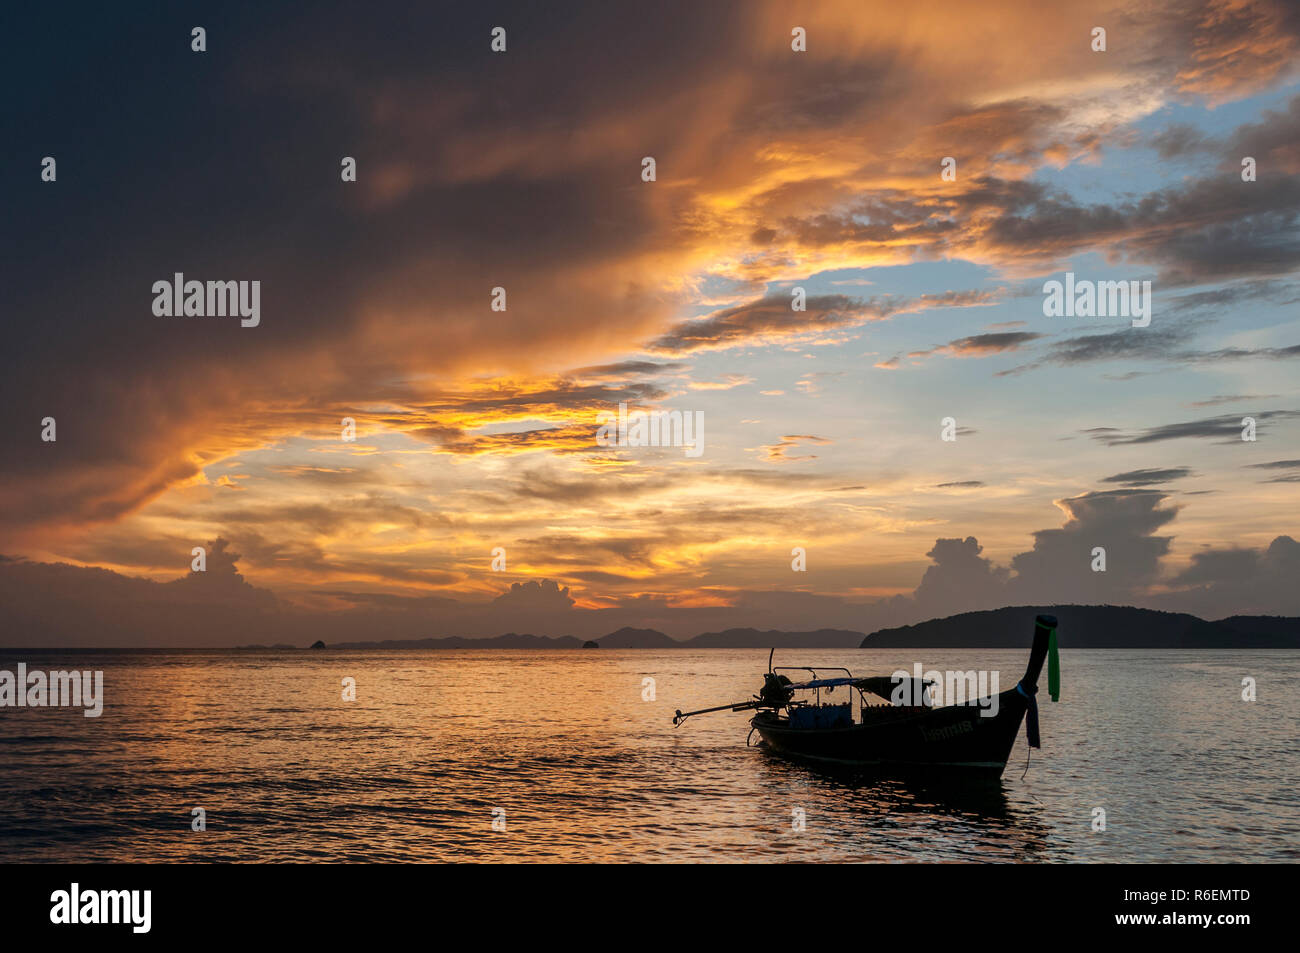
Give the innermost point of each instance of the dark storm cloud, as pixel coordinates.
(1059, 567)
(1180, 139)
(1125, 524)
(625, 369)
(981, 345)
(540, 595)
(1226, 429)
(1251, 581)
(1242, 353)
(1275, 465)
(1229, 399)
(1293, 466)
(960, 579)
(542, 483)
(1241, 292)
(133, 393)
(505, 398)
(1149, 477)
(1212, 228)
(1164, 344)
(772, 318)
(991, 343)
(1122, 522)
(1271, 141)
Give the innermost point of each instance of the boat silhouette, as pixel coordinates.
(974, 737)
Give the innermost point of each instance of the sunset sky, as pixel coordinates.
(775, 169)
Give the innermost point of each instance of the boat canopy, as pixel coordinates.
(823, 683)
(882, 686)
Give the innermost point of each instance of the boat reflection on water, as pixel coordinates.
(917, 788)
(885, 811)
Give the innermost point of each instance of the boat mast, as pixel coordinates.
(1044, 626)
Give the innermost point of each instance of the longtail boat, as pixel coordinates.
(884, 729)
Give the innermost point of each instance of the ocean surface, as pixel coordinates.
(576, 764)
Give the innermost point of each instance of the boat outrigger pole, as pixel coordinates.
(681, 716)
(775, 693)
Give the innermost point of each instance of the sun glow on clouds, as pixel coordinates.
(477, 429)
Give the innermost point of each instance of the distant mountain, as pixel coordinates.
(1093, 627)
(630, 638)
(1273, 627)
(1081, 627)
(758, 639)
(508, 641)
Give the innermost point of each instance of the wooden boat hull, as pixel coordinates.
(958, 737)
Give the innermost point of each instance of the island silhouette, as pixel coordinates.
(1090, 627)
